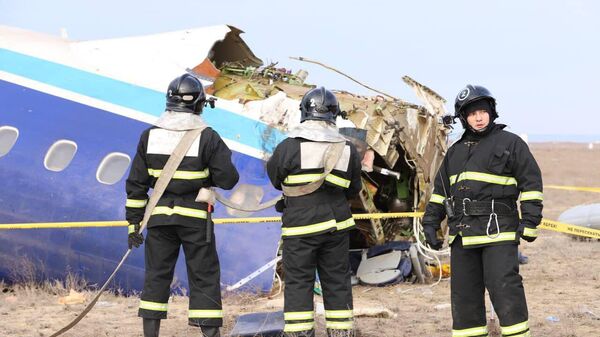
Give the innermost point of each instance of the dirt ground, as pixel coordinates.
(562, 283)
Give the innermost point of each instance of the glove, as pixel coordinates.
(527, 233)
(431, 237)
(134, 238)
(280, 205)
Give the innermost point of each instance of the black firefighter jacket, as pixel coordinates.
(207, 163)
(497, 167)
(298, 161)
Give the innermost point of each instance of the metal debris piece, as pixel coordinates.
(405, 137)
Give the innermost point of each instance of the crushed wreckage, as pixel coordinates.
(405, 142)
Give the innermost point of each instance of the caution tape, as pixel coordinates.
(55, 225)
(217, 221)
(574, 188)
(546, 224)
(86, 224)
(569, 229)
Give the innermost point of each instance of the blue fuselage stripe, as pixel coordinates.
(229, 125)
(82, 82)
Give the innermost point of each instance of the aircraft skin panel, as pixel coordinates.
(31, 193)
(82, 82)
(230, 125)
(134, 59)
(129, 59)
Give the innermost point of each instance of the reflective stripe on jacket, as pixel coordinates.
(499, 167)
(298, 161)
(207, 163)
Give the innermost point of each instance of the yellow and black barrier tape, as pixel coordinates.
(217, 221)
(546, 224)
(574, 188)
(570, 229)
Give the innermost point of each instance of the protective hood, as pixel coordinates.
(179, 121)
(318, 131)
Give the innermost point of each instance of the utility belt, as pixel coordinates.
(316, 198)
(491, 209)
(468, 207)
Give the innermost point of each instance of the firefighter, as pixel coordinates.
(477, 187)
(315, 225)
(178, 220)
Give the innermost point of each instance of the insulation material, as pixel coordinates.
(277, 110)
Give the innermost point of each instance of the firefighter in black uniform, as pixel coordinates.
(178, 220)
(477, 187)
(315, 225)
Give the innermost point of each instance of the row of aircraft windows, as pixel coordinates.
(60, 154)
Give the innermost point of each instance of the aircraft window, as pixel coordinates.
(112, 168)
(59, 155)
(8, 138)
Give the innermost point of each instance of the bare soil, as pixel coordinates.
(562, 283)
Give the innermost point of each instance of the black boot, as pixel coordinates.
(151, 327)
(210, 331)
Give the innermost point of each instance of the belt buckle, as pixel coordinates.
(465, 206)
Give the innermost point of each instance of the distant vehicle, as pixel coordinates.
(70, 118)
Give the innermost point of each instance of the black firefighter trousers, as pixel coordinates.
(497, 269)
(161, 252)
(328, 254)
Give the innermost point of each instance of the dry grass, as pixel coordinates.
(562, 280)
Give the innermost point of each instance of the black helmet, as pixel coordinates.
(186, 94)
(471, 94)
(319, 104)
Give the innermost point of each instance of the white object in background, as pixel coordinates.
(259, 271)
(582, 215)
(380, 269)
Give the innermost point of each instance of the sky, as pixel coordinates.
(540, 58)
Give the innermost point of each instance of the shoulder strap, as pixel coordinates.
(332, 155)
(160, 186)
(169, 170)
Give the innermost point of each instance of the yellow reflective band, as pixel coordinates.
(345, 224)
(338, 313)
(289, 231)
(154, 306)
(470, 332)
(520, 327)
(295, 327)
(186, 175)
(451, 238)
(346, 325)
(532, 195)
(309, 178)
(298, 315)
(136, 203)
(205, 314)
(478, 240)
(301, 178)
(436, 198)
(531, 232)
(485, 177)
(185, 211)
(130, 229)
(339, 181)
